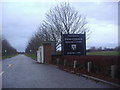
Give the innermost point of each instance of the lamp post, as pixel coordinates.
(5, 52)
(30, 51)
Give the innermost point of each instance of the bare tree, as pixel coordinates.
(34, 43)
(66, 19)
(63, 19)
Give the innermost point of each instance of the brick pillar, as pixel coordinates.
(47, 52)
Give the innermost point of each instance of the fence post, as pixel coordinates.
(64, 62)
(89, 66)
(75, 62)
(57, 61)
(113, 71)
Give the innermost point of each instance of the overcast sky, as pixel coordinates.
(20, 20)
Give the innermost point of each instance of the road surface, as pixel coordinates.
(23, 72)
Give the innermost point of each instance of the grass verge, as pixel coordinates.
(106, 53)
(33, 56)
(8, 56)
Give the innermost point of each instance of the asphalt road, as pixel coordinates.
(23, 72)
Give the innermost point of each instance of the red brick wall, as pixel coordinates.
(47, 53)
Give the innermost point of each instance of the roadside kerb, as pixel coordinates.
(100, 80)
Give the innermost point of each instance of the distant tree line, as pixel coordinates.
(62, 19)
(92, 49)
(7, 49)
(21, 52)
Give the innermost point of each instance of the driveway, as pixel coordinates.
(23, 72)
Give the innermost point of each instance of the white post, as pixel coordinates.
(38, 56)
(57, 61)
(42, 55)
(89, 66)
(113, 71)
(64, 62)
(75, 62)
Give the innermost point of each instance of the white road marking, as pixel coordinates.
(1, 73)
(9, 65)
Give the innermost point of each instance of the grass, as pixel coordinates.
(8, 56)
(106, 53)
(33, 56)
